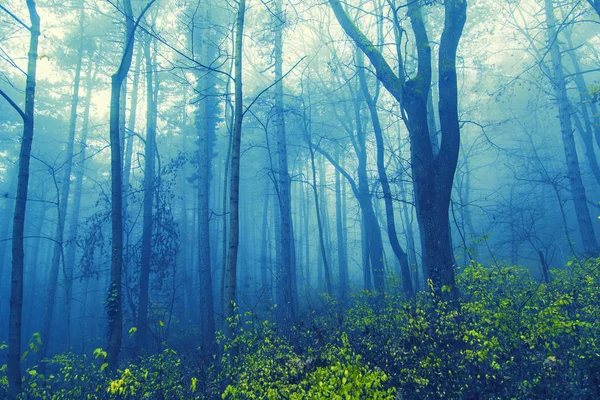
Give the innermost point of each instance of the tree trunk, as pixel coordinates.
(286, 269)
(16, 284)
(114, 298)
(342, 246)
(76, 202)
(587, 130)
(206, 120)
(63, 198)
(234, 198)
(576, 184)
(385, 185)
(319, 222)
(433, 175)
(149, 177)
(130, 130)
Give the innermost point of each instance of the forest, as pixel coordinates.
(299, 199)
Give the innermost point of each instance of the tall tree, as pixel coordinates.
(148, 206)
(433, 175)
(206, 121)
(385, 185)
(564, 116)
(114, 299)
(286, 274)
(234, 196)
(63, 198)
(18, 255)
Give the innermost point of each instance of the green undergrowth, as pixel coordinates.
(508, 337)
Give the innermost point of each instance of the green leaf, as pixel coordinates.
(103, 367)
(161, 323)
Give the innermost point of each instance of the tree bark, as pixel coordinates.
(148, 202)
(234, 197)
(16, 283)
(287, 268)
(433, 175)
(578, 194)
(76, 202)
(319, 223)
(63, 198)
(206, 120)
(342, 246)
(114, 299)
(385, 185)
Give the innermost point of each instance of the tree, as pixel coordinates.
(16, 283)
(63, 198)
(205, 123)
(149, 194)
(595, 5)
(114, 299)
(385, 185)
(234, 196)
(558, 83)
(287, 268)
(433, 174)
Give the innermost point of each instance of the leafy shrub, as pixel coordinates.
(507, 337)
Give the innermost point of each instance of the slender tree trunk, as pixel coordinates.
(286, 269)
(76, 202)
(558, 81)
(114, 299)
(206, 120)
(148, 205)
(385, 185)
(16, 284)
(372, 230)
(587, 130)
(130, 130)
(234, 198)
(264, 257)
(341, 237)
(319, 223)
(63, 198)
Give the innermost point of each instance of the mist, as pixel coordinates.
(242, 197)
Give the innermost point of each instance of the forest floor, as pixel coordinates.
(508, 337)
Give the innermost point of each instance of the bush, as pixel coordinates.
(507, 337)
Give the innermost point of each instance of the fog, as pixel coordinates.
(169, 166)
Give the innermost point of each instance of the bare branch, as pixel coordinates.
(13, 104)
(15, 18)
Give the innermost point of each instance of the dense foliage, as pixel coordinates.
(508, 337)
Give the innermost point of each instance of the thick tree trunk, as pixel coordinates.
(16, 287)
(558, 81)
(433, 175)
(234, 197)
